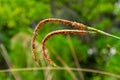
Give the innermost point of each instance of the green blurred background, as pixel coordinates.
(18, 19)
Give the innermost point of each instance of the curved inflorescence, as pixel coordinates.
(41, 23)
(82, 29)
(81, 32)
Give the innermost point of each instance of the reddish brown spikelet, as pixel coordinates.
(55, 33)
(41, 23)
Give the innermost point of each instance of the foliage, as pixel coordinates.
(17, 22)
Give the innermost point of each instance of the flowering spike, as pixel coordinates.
(56, 33)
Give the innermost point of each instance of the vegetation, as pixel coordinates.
(18, 19)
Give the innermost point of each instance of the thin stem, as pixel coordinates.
(62, 68)
(102, 32)
(5, 55)
(75, 57)
(63, 63)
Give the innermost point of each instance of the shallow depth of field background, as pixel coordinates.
(18, 19)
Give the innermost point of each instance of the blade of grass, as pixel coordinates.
(63, 63)
(5, 55)
(62, 68)
(74, 56)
